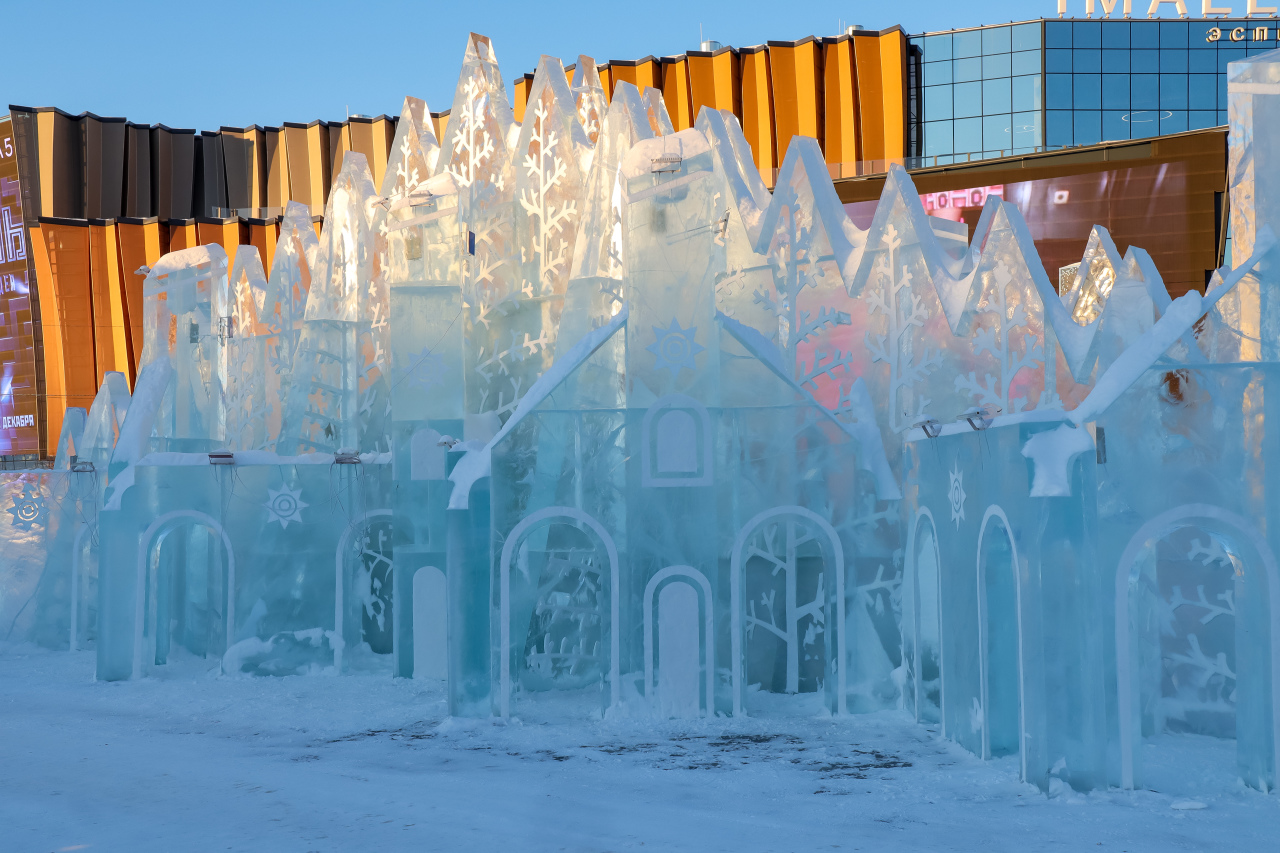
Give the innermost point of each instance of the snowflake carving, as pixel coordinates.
(956, 495)
(29, 508)
(675, 348)
(284, 505)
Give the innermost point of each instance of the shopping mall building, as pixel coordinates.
(1124, 117)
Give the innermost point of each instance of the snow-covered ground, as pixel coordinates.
(193, 762)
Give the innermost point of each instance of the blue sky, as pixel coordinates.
(206, 64)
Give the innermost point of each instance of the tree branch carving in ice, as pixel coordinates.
(1213, 553)
(994, 389)
(778, 544)
(797, 266)
(904, 312)
(472, 137)
(1211, 611)
(566, 628)
(547, 168)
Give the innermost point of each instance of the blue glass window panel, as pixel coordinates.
(1086, 34)
(1202, 91)
(1115, 91)
(1144, 61)
(1088, 61)
(1173, 92)
(1222, 117)
(1144, 123)
(1202, 61)
(966, 44)
(1115, 34)
(1144, 33)
(1057, 91)
(1026, 37)
(1026, 92)
(1173, 62)
(997, 65)
(1115, 62)
(1058, 129)
(1088, 127)
(1056, 34)
(1258, 46)
(1200, 119)
(997, 133)
(937, 73)
(1222, 92)
(937, 138)
(1026, 130)
(937, 47)
(1087, 91)
(968, 135)
(1026, 62)
(1057, 61)
(1198, 32)
(996, 96)
(996, 40)
(1173, 121)
(1229, 54)
(1115, 125)
(1173, 33)
(1144, 91)
(967, 70)
(968, 100)
(937, 102)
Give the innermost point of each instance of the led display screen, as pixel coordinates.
(19, 432)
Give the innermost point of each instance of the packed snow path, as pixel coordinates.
(195, 762)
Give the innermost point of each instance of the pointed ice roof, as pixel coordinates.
(480, 121)
(748, 194)
(343, 264)
(589, 97)
(804, 179)
(248, 284)
(551, 119)
(414, 152)
(597, 251)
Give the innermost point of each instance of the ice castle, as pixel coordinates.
(579, 405)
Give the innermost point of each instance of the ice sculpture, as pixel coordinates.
(284, 306)
(338, 393)
(579, 405)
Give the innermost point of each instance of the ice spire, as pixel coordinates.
(253, 401)
(589, 98)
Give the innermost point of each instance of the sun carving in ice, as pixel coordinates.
(675, 348)
(29, 508)
(284, 505)
(956, 495)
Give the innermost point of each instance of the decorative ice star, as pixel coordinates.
(284, 505)
(675, 347)
(29, 508)
(956, 495)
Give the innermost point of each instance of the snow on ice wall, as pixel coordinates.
(580, 403)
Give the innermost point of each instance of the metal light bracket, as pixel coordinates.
(929, 426)
(980, 417)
